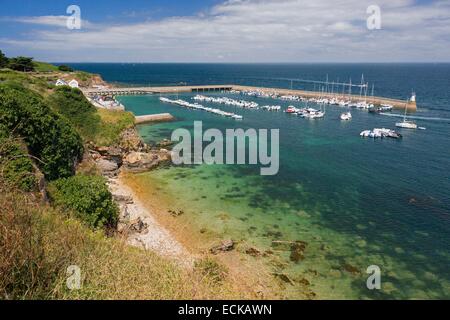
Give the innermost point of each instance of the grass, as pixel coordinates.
(113, 123)
(39, 243)
(37, 84)
(44, 67)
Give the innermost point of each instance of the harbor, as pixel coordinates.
(260, 91)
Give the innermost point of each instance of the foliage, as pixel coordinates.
(41, 243)
(88, 196)
(3, 60)
(48, 136)
(16, 168)
(65, 68)
(24, 64)
(114, 122)
(72, 104)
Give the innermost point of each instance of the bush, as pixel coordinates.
(23, 64)
(65, 68)
(48, 136)
(16, 168)
(72, 104)
(88, 197)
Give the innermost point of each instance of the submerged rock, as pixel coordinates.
(297, 251)
(351, 269)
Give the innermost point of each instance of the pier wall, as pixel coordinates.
(153, 118)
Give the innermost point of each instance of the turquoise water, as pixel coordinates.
(354, 202)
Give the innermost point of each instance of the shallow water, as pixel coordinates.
(354, 202)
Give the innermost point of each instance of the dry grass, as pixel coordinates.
(38, 243)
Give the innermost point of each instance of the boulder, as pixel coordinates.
(141, 161)
(107, 167)
(226, 245)
(138, 226)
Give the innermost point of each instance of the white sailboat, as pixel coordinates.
(405, 123)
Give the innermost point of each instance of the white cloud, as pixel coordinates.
(257, 30)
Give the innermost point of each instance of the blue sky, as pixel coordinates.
(227, 31)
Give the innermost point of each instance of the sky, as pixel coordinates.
(304, 31)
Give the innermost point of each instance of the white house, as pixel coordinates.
(73, 84)
(61, 83)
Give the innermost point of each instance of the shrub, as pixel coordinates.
(48, 136)
(23, 64)
(16, 168)
(88, 197)
(72, 104)
(65, 68)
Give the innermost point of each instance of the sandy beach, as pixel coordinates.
(156, 238)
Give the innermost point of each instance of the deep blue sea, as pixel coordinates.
(355, 202)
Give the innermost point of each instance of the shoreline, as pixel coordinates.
(156, 238)
(248, 275)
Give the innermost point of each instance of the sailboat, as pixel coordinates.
(407, 124)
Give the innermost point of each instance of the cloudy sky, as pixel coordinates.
(227, 31)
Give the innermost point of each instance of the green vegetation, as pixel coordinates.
(72, 104)
(48, 136)
(41, 243)
(23, 64)
(113, 124)
(44, 67)
(20, 79)
(65, 68)
(3, 60)
(87, 196)
(16, 168)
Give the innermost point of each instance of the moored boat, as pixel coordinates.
(346, 116)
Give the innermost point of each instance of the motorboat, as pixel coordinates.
(346, 116)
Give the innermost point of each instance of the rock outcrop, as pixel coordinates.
(131, 154)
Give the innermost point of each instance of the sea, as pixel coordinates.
(352, 205)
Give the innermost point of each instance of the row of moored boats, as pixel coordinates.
(197, 106)
(236, 103)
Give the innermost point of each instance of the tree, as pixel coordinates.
(3, 60)
(24, 64)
